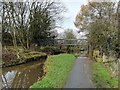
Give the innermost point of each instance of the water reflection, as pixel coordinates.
(22, 76)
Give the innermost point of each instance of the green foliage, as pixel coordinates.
(100, 22)
(57, 69)
(40, 27)
(69, 37)
(96, 54)
(51, 50)
(102, 77)
(68, 34)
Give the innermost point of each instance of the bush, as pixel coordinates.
(77, 54)
(51, 50)
(96, 54)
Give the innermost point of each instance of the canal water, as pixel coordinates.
(22, 76)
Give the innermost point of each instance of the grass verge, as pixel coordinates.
(102, 77)
(57, 69)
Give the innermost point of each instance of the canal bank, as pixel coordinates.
(57, 68)
(13, 57)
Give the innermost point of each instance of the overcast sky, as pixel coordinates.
(73, 7)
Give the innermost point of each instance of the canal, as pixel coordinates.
(22, 76)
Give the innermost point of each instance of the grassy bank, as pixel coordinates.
(102, 77)
(57, 70)
(12, 56)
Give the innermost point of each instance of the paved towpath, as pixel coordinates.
(80, 76)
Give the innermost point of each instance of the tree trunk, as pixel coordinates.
(90, 52)
(14, 38)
